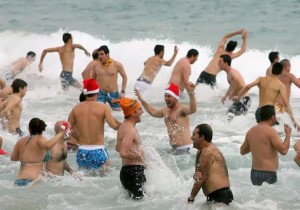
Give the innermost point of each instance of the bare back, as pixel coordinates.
(213, 67)
(152, 67)
(181, 73)
(59, 153)
(88, 71)
(88, 117)
(66, 55)
(178, 125)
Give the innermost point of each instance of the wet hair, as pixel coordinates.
(273, 55)
(226, 59)
(266, 112)
(104, 48)
(158, 48)
(66, 37)
(277, 68)
(31, 54)
(205, 130)
(231, 45)
(285, 62)
(95, 54)
(17, 84)
(36, 126)
(192, 52)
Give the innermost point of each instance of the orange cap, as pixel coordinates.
(128, 105)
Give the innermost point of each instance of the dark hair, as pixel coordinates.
(66, 37)
(266, 112)
(226, 59)
(273, 55)
(104, 48)
(277, 68)
(82, 97)
(30, 54)
(17, 84)
(158, 48)
(231, 45)
(192, 52)
(36, 126)
(95, 54)
(205, 130)
(285, 62)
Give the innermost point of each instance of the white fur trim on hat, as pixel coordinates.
(172, 94)
(86, 92)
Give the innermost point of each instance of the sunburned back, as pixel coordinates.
(269, 90)
(264, 155)
(90, 116)
(152, 67)
(66, 54)
(217, 177)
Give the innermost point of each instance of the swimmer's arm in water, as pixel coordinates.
(158, 113)
(245, 149)
(224, 98)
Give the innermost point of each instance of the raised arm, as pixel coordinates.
(243, 48)
(48, 144)
(193, 105)
(82, 48)
(158, 113)
(227, 36)
(44, 53)
(170, 62)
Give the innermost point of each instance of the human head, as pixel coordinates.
(129, 107)
(17, 84)
(91, 87)
(158, 49)
(266, 112)
(95, 54)
(66, 37)
(192, 55)
(104, 48)
(286, 64)
(30, 54)
(231, 45)
(173, 90)
(226, 59)
(277, 68)
(274, 56)
(103, 54)
(205, 130)
(58, 124)
(36, 126)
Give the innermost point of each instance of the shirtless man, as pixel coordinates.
(273, 58)
(129, 147)
(264, 143)
(106, 74)
(236, 83)
(10, 109)
(270, 87)
(66, 55)
(176, 116)
(211, 165)
(297, 150)
(88, 71)
(152, 67)
(58, 164)
(18, 66)
(182, 70)
(89, 117)
(208, 76)
(287, 78)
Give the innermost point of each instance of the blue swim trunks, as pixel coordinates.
(91, 157)
(108, 97)
(67, 79)
(22, 182)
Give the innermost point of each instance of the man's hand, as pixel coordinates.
(40, 67)
(138, 94)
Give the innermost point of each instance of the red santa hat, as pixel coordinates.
(90, 86)
(173, 90)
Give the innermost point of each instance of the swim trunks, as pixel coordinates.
(142, 84)
(280, 108)
(223, 195)
(258, 177)
(91, 157)
(133, 179)
(241, 107)
(22, 182)
(67, 79)
(207, 78)
(108, 97)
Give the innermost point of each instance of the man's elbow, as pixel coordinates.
(284, 151)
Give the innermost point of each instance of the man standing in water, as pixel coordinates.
(66, 55)
(211, 172)
(153, 66)
(88, 117)
(181, 73)
(106, 74)
(129, 147)
(176, 116)
(208, 76)
(264, 143)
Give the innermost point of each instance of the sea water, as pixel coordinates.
(131, 29)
